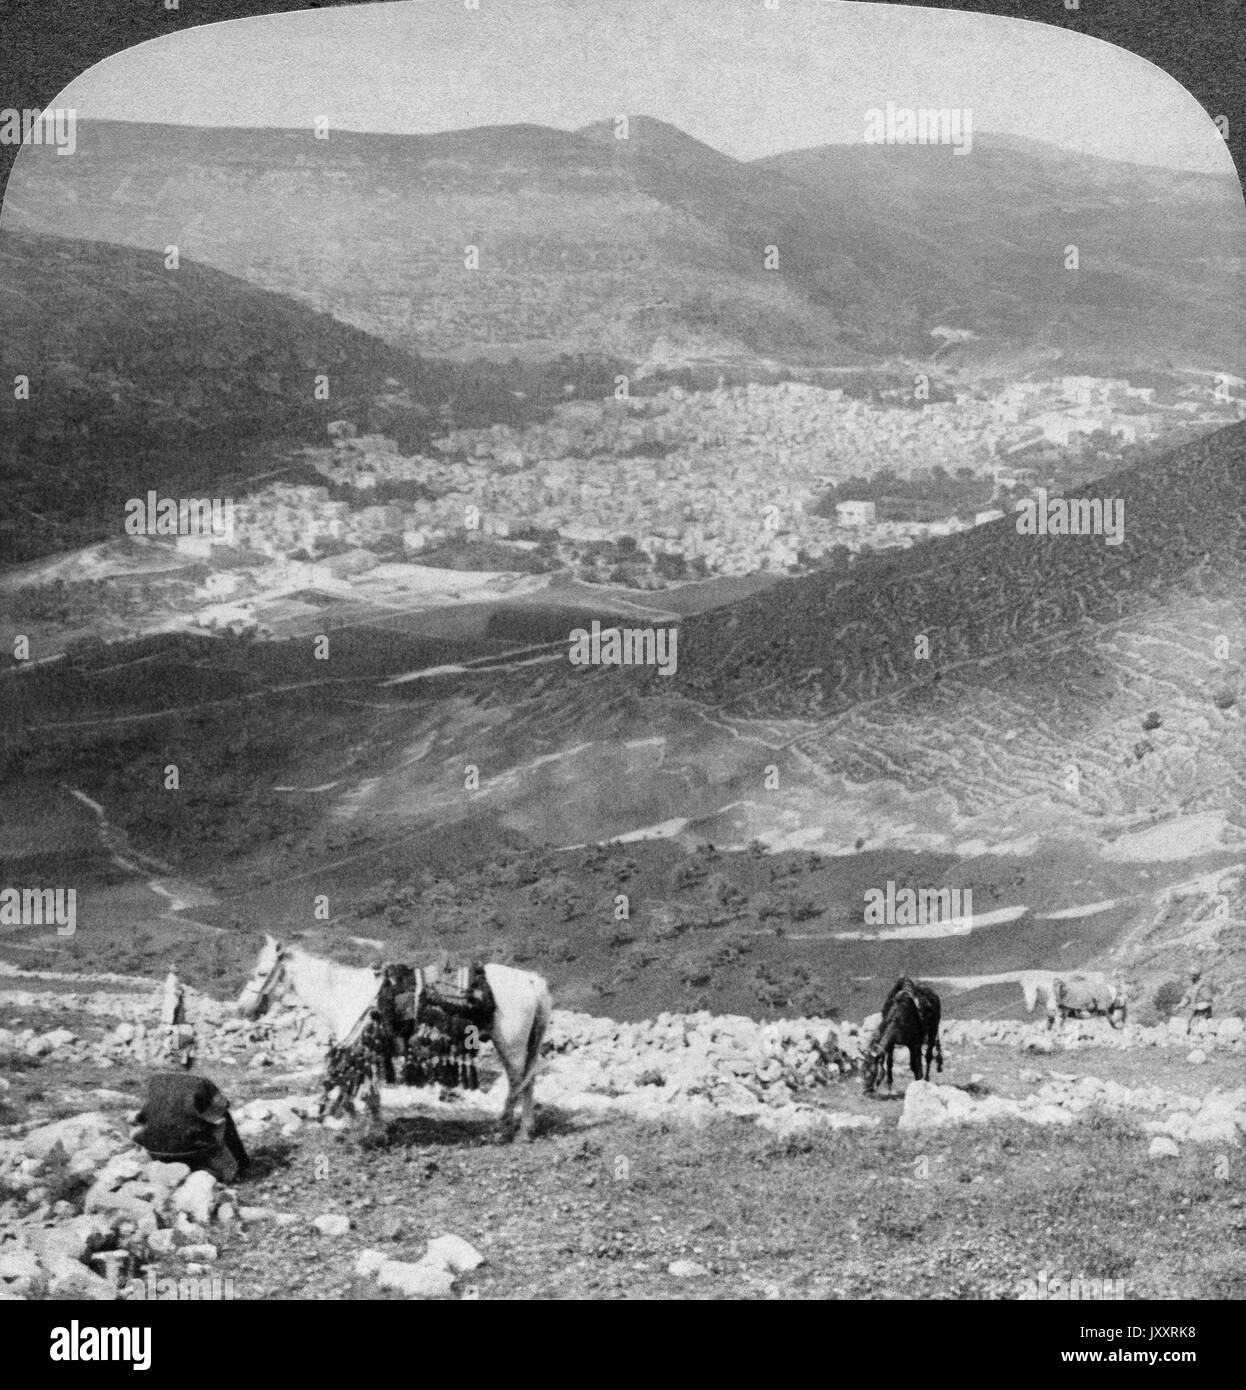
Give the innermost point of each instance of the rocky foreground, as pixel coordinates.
(86, 1213)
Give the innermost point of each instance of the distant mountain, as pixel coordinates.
(1160, 251)
(590, 243)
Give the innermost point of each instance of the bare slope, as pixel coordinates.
(590, 242)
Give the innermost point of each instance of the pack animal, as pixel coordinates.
(1083, 995)
(911, 1015)
(346, 998)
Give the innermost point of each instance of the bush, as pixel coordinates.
(1151, 721)
(1167, 997)
(726, 894)
(622, 934)
(695, 970)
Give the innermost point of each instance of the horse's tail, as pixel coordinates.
(536, 1036)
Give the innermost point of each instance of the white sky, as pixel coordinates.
(748, 80)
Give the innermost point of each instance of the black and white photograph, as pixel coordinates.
(622, 667)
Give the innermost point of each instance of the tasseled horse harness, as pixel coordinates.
(424, 1028)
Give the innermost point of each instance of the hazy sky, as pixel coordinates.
(746, 79)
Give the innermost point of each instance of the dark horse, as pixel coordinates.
(911, 1018)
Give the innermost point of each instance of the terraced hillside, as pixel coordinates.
(821, 645)
(592, 243)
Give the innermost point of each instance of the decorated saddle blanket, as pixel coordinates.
(425, 1029)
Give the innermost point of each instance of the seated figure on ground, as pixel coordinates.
(186, 1119)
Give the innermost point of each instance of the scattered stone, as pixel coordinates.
(686, 1269)
(70, 1280)
(167, 1175)
(112, 1264)
(74, 1133)
(331, 1224)
(195, 1197)
(20, 1271)
(161, 1244)
(1163, 1147)
(415, 1280)
(198, 1254)
(454, 1254)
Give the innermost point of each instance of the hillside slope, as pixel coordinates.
(1160, 250)
(592, 243)
(117, 345)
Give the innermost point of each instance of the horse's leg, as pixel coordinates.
(532, 1057)
(938, 1042)
(506, 1120)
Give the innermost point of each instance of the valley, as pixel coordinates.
(376, 734)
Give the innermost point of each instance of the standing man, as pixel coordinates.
(1197, 999)
(181, 1035)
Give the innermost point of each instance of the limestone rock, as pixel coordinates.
(195, 1197)
(454, 1254)
(69, 1279)
(72, 1134)
(332, 1224)
(415, 1280)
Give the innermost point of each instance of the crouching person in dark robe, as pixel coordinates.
(186, 1119)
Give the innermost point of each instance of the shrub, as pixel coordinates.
(1151, 721)
(1167, 997)
(726, 894)
(695, 970)
(622, 934)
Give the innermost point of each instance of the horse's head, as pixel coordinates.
(872, 1066)
(268, 981)
(1030, 987)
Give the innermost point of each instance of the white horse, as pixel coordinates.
(343, 995)
(1086, 992)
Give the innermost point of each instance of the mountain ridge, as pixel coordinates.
(588, 242)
